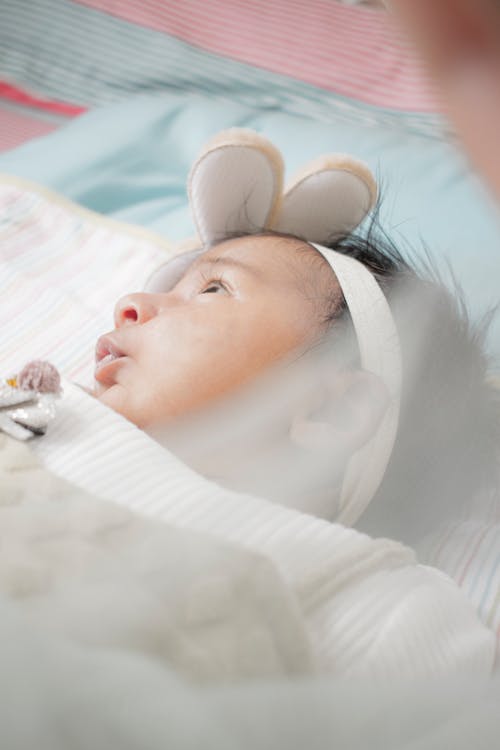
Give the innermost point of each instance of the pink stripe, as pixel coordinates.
(352, 51)
(17, 128)
(14, 94)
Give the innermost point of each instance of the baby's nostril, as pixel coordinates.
(130, 313)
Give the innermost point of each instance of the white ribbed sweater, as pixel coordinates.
(368, 607)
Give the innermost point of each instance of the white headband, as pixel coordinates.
(235, 188)
(380, 354)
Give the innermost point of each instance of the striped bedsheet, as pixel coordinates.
(18, 125)
(318, 58)
(62, 268)
(24, 116)
(469, 552)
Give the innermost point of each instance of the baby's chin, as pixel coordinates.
(115, 398)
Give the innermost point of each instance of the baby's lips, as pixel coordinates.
(108, 358)
(105, 347)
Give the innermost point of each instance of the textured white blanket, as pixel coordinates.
(367, 607)
(96, 576)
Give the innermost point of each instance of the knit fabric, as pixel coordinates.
(367, 607)
(96, 576)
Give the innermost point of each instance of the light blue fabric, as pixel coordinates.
(130, 160)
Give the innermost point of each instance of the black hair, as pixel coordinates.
(447, 445)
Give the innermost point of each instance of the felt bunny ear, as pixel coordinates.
(329, 196)
(235, 185)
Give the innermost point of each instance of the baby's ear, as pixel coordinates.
(348, 419)
(235, 185)
(329, 196)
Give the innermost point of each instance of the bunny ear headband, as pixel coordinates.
(236, 188)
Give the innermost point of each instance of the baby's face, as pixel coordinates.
(240, 307)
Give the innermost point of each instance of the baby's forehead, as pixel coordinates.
(269, 243)
(272, 257)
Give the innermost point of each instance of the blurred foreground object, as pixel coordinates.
(460, 42)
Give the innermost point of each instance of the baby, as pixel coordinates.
(263, 296)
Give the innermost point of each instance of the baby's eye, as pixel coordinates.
(214, 287)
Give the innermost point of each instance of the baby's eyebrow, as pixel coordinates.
(228, 261)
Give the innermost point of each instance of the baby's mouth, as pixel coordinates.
(106, 352)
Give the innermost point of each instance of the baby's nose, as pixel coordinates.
(134, 308)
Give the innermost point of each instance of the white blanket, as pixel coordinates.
(94, 575)
(367, 607)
